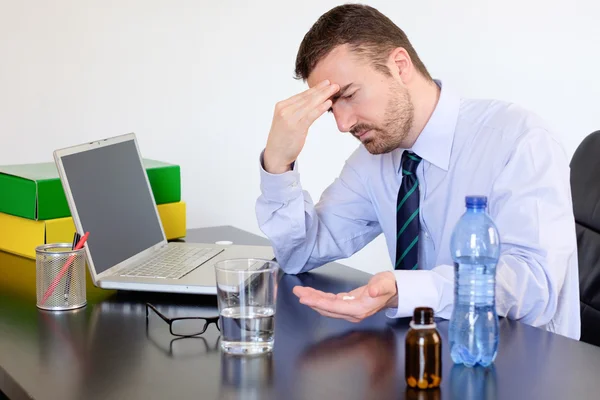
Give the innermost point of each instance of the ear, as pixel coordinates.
(401, 65)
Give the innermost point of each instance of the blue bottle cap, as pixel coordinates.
(476, 201)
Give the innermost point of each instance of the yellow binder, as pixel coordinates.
(21, 235)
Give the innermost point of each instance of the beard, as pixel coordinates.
(398, 120)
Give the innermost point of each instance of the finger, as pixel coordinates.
(308, 292)
(309, 103)
(308, 300)
(334, 315)
(382, 287)
(314, 100)
(312, 295)
(317, 112)
(335, 306)
(358, 292)
(341, 296)
(299, 290)
(296, 98)
(353, 295)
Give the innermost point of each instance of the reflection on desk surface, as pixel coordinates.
(105, 350)
(358, 365)
(246, 377)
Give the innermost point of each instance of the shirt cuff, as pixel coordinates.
(415, 289)
(280, 187)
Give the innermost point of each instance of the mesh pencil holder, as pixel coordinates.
(60, 277)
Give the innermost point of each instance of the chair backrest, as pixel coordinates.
(585, 187)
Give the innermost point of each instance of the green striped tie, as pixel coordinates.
(407, 214)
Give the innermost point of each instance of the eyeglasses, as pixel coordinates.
(185, 326)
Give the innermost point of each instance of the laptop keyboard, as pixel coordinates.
(173, 263)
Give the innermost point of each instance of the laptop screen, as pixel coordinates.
(114, 202)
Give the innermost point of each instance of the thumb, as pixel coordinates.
(382, 287)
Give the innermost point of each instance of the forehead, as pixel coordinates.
(340, 66)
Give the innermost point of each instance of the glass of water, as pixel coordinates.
(247, 289)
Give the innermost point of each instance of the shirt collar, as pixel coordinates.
(434, 143)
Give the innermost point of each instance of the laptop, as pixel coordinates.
(110, 197)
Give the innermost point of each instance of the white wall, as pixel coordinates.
(197, 81)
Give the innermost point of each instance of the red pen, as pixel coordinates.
(64, 269)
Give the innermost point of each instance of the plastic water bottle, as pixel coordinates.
(475, 248)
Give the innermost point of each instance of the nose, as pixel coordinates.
(344, 117)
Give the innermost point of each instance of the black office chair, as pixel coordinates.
(585, 187)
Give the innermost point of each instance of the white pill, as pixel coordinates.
(223, 242)
(348, 298)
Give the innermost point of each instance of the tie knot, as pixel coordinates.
(410, 162)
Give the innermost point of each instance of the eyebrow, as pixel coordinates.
(340, 92)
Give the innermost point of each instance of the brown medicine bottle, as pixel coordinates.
(423, 352)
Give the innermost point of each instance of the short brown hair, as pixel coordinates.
(365, 29)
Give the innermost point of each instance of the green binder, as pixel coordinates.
(34, 191)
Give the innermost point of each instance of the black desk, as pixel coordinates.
(106, 351)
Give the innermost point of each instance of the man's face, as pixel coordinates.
(375, 108)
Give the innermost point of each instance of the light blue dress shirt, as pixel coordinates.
(469, 147)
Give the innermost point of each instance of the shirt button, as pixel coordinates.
(294, 184)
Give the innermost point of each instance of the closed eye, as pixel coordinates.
(342, 97)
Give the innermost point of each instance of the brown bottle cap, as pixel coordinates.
(423, 316)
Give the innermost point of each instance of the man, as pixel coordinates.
(423, 149)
